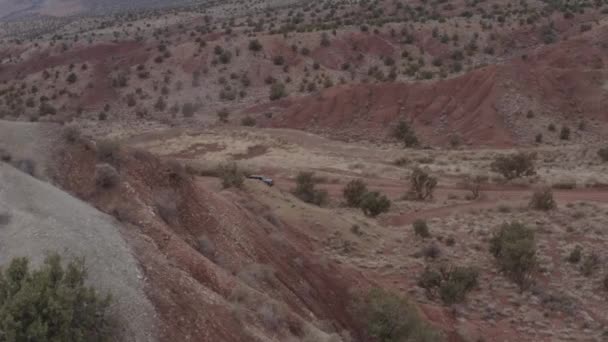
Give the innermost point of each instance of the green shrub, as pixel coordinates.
(277, 91)
(514, 248)
(51, 303)
(421, 228)
(564, 134)
(457, 283)
(72, 78)
(305, 189)
(374, 204)
(231, 176)
(451, 284)
(404, 133)
(575, 256)
(603, 154)
(390, 318)
(590, 264)
(255, 45)
(542, 199)
(354, 192)
(223, 114)
(188, 109)
(515, 165)
(422, 184)
(248, 121)
(106, 176)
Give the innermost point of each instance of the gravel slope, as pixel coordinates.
(37, 218)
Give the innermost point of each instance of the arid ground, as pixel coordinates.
(142, 121)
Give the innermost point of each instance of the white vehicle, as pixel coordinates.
(266, 180)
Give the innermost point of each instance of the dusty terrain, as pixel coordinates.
(132, 110)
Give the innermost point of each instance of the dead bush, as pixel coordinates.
(542, 199)
(473, 184)
(422, 184)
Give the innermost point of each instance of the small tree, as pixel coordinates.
(404, 133)
(305, 189)
(354, 192)
(422, 184)
(514, 248)
(231, 176)
(515, 165)
(51, 303)
(374, 204)
(542, 199)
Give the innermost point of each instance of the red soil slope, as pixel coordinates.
(566, 80)
(200, 292)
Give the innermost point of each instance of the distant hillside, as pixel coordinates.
(14, 9)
